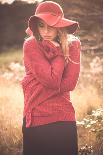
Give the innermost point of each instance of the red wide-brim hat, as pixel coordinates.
(53, 15)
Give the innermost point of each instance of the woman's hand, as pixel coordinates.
(63, 36)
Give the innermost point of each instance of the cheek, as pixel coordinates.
(40, 31)
(54, 33)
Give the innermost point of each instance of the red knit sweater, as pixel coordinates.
(48, 82)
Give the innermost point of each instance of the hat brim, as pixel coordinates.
(71, 25)
(54, 21)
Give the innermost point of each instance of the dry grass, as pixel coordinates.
(8, 56)
(11, 103)
(85, 100)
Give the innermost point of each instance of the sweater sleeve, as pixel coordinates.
(72, 69)
(48, 74)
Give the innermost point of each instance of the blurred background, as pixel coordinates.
(87, 98)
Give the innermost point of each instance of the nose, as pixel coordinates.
(46, 29)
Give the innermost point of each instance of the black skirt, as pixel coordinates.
(57, 138)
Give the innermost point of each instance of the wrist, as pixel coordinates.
(68, 59)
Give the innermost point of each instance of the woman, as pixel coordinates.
(52, 66)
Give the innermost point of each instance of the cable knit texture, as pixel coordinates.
(48, 82)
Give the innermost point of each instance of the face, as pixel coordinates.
(46, 32)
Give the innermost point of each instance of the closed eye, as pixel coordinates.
(40, 24)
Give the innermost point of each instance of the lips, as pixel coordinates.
(47, 37)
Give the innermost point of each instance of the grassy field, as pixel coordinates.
(8, 56)
(86, 98)
(11, 103)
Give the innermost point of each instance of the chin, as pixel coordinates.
(49, 39)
